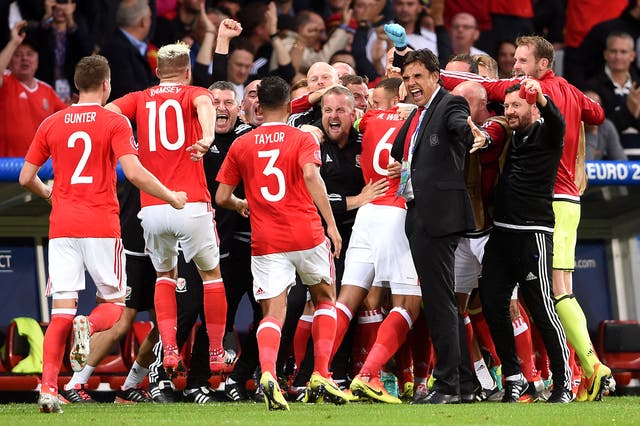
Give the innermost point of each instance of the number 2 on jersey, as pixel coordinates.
(269, 170)
(77, 177)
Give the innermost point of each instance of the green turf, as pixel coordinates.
(612, 411)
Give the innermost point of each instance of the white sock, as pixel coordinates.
(483, 375)
(80, 377)
(135, 376)
(514, 378)
(419, 381)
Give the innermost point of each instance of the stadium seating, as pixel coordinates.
(619, 348)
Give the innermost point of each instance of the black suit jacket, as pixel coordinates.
(437, 167)
(130, 71)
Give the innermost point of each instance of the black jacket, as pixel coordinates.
(524, 194)
(437, 167)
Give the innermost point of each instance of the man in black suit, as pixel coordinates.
(126, 49)
(432, 146)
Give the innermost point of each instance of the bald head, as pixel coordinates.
(476, 96)
(320, 75)
(344, 69)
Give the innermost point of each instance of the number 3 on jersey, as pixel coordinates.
(269, 170)
(160, 115)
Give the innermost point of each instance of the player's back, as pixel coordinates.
(167, 123)
(282, 213)
(84, 141)
(379, 129)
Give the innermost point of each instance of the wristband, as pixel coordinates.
(347, 28)
(401, 49)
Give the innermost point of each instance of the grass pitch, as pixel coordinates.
(612, 411)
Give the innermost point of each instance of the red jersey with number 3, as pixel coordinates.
(167, 123)
(269, 161)
(379, 129)
(85, 142)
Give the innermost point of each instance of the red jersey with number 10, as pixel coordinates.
(379, 129)
(167, 123)
(269, 161)
(85, 142)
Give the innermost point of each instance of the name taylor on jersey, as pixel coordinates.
(266, 138)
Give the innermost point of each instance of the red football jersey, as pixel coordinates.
(167, 123)
(269, 161)
(22, 110)
(85, 142)
(379, 129)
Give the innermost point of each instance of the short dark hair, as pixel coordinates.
(390, 85)
(90, 72)
(273, 92)
(467, 59)
(241, 43)
(222, 85)
(353, 79)
(512, 89)
(425, 57)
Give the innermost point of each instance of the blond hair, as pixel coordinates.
(173, 59)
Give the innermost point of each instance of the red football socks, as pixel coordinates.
(344, 316)
(268, 336)
(301, 339)
(166, 311)
(215, 313)
(104, 316)
(55, 342)
(392, 333)
(323, 330)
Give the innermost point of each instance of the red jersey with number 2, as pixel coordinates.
(269, 161)
(379, 129)
(85, 142)
(167, 123)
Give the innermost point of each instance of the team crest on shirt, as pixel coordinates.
(181, 285)
(127, 295)
(434, 140)
(45, 104)
(134, 143)
(358, 160)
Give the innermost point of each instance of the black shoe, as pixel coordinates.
(515, 389)
(162, 391)
(490, 395)
(258, 396)
(561, 396)
(201, 395)
(234, 392)
(132, 395)
(77, 395)
(435, 397)
(468, 398)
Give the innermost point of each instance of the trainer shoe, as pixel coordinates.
(220, 363)
(80, 346)
(496, 374)
(407, 391)
(490, 395)
(233, 391)
(273, 397)
(298, 394)
(201, 395)
(562, 396)
(76, 395)
(328, 387)
(514, 390)
(172, 362)
(132, 396)
(598, 382)
(258, 395)
(162, 391)
(420, 391)
(390, 382)
(49, 403)
(372, 387)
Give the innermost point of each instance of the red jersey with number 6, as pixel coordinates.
(379, 129)
(167, 123)
(85, 142)
(269, 161)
